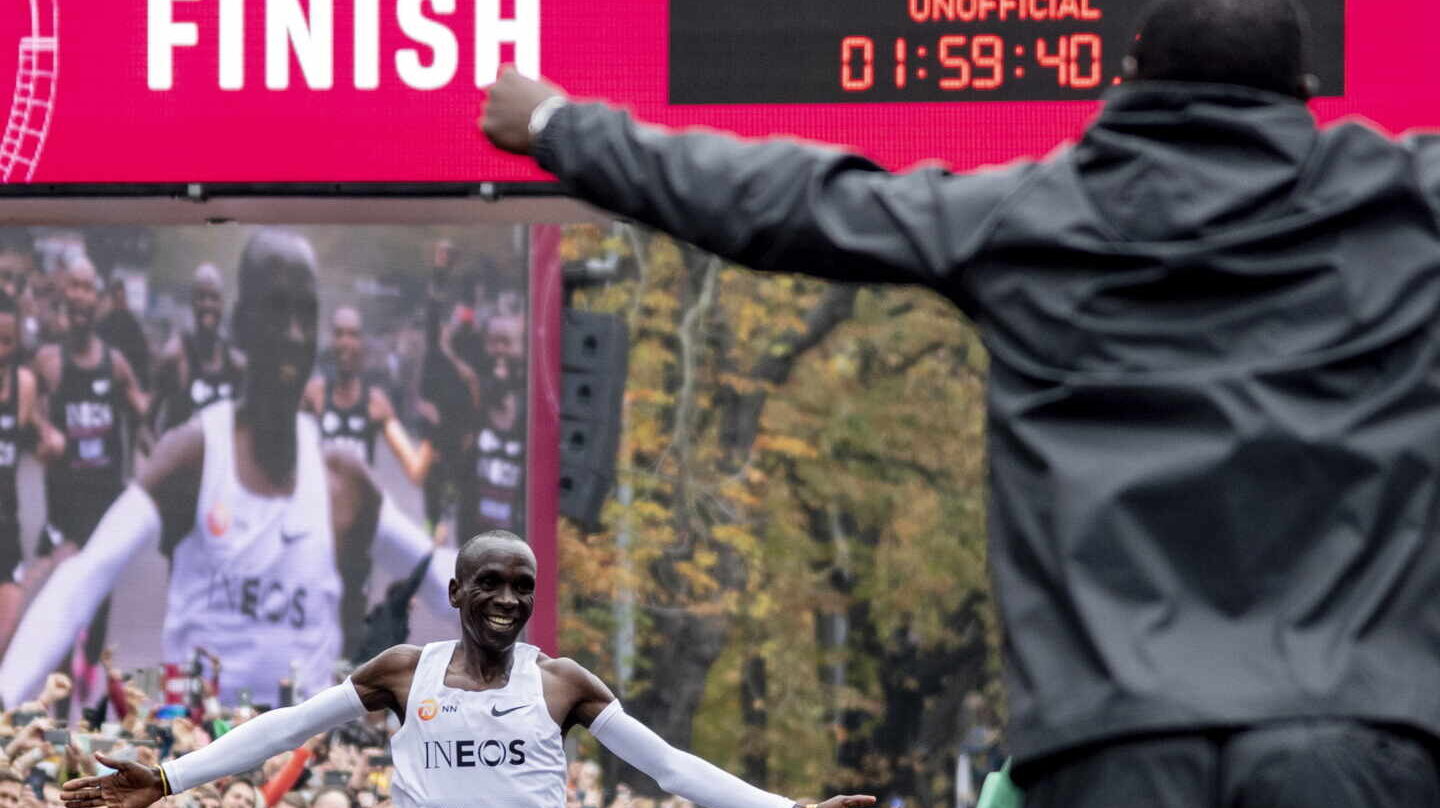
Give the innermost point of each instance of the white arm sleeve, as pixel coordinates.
(74, 591)
(679, 773)
(400, 544)
(268, 734)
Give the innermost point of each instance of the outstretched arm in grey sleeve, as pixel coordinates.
(769, 204)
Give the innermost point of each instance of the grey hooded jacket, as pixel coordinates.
(1214, 399)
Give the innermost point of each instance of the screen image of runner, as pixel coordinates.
(424, 337)
(864, 51)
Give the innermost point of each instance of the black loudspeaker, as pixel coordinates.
(593, 366)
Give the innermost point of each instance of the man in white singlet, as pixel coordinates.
(269, 538)
(483, 717)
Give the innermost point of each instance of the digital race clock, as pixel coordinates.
(781, 51)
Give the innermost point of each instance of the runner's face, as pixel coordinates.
(345, 341)
(207, 306)
(505, 345)
(281, 349)
(81, 296)
(497, 596)
(14, 267)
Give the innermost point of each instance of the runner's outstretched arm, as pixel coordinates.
(72, 594)
(246, 747)
(241, 749)
(772, 204)
(678, 772)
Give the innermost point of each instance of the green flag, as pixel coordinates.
(999, 791)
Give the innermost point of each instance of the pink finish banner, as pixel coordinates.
(259, 91)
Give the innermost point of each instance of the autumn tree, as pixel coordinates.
(802, 514)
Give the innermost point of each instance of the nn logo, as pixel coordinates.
(429, 708)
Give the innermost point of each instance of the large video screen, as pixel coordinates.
(317, 414)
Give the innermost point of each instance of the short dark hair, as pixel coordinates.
(239, 781)
(344, 792)
(477, 544)
(1262, 44)
(8, 305)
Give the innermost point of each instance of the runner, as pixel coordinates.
(483, 718)
(269, 539)
(352, 411)
(198, 368)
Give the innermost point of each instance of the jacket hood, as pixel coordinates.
(1169, 161)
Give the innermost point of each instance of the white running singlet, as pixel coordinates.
(467, 749)
(255, 581)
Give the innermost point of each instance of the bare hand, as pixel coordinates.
(57, 687)
(512, 99)
(131, 786)
(134, 697)
(77, 761)
(51, 445)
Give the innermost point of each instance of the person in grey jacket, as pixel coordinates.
(1214, 402)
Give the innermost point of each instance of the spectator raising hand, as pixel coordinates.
(57, 689)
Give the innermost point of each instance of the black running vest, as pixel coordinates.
(349, 428)
(10, 441)
(86, 409)
(205, 388)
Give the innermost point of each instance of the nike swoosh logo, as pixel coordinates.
(291, 538)
(497, 712)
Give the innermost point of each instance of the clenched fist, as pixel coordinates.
(506, 117)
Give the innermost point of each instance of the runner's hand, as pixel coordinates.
(512, 98)
(131, 786)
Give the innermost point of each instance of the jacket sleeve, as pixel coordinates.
(1425, 149)
(778, 204)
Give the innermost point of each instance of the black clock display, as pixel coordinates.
(785, 52)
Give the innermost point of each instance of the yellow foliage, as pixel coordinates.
(786, 445)
(880, 425)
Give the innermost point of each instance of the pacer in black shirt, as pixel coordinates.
(352, 411)
(1214, 402)
(22, 427)
(198, 367)
(92, 395)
